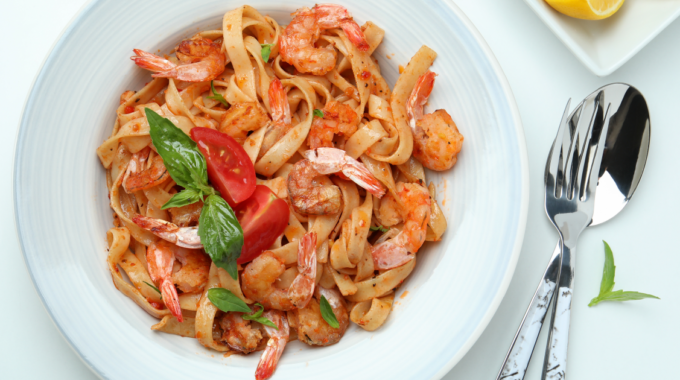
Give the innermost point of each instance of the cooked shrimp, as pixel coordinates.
(242, 118)
(193, 274)
(160, 259)
(200, 60)
(186, 237)
(296, 44)
(139, 177)
(309, 198)
(281, 117)
(302, 288)
(313, 329)
(338, 118)
(416, 214)
(186, 215)
(239, 334)
(436, 139)
(260, 275)
(275, 345)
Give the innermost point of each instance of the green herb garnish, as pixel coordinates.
(154, 288)
(228, 301)
(318, 113)
(257, 317)
(266, 51)
(219, 230)
(217, 96)
(379, 228)
(607, 284)
(221, 234)
(327, 313)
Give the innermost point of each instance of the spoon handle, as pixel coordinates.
(517, 360)
(555, 363)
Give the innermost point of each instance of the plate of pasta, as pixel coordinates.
(271, 191)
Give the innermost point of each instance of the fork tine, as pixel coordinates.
(596, 163)
(586, 154)
(578, 146)
(552, 166)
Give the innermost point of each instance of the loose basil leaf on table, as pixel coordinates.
(217, 96)
(327, 313)
(227, 301)
(220, 233)
(607, 285)
(184, 161)
(183, 198)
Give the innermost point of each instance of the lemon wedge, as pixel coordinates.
(586, 9)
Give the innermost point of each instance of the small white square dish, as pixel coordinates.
(605, 45)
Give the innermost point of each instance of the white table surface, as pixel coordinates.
(633, 340)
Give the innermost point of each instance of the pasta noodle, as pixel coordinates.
(323, 131)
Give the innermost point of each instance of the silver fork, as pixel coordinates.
(571, 175)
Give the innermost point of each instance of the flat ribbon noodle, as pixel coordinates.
(381, 284)
(370, 315)
(169, 324)
(119, 241)
(205, 314)
(126, 215)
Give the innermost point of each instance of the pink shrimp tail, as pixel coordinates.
(388, 255)
(152, 61)
(302, 288)
(171, 299)
(275, 345)
(416, 101)
(355, 35)
(332, 15)
(278, 102)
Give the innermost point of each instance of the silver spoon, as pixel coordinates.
(623, 162)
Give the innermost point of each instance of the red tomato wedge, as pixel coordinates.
(263, 218)
(229, 168)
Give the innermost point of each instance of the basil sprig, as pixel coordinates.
(219, 230)
(379, 228)
(317, 112)
(607, 285)
(327, 313)
(227, 301)
(221, 234)
(217, 96)
(266, 51)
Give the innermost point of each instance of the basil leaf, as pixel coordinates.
(220, 233)
(257, 317)
(183, 198)
(327, 313)
(184, 161)
(379, 228)
(227, 301)
(266, 51)
(609, 270)
(317, 112)
(607, 284)
(217, 96)
(154, 288)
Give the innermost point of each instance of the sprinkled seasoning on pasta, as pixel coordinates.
(268, 185)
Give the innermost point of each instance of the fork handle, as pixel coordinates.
(555, 363)
(517, 360)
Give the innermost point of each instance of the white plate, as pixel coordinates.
(62, 212)
(605, 45)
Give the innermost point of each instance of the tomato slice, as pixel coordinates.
(263, 218)
(229, 168)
